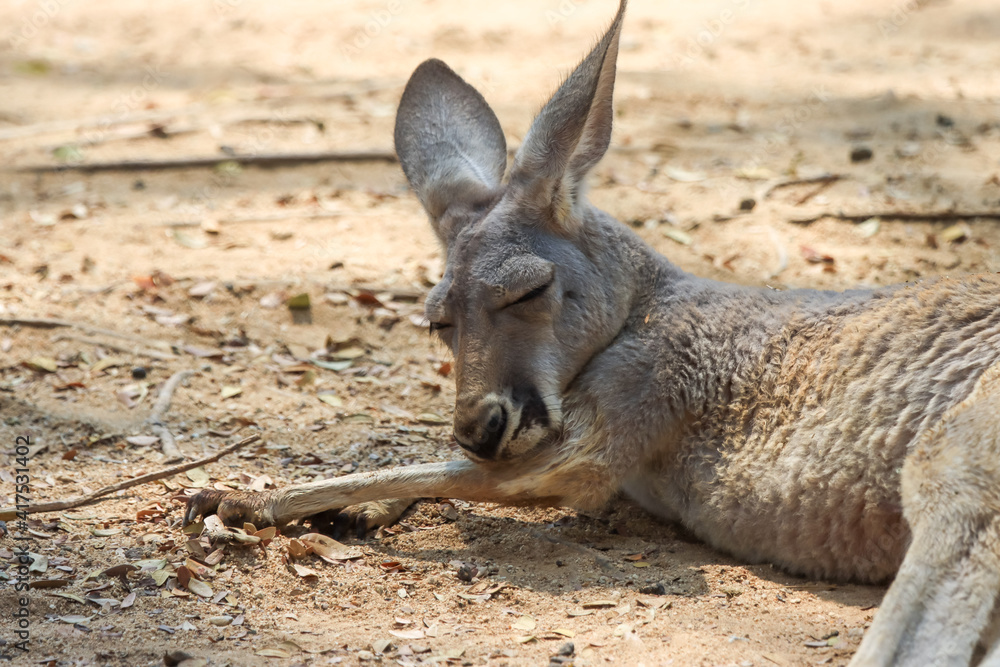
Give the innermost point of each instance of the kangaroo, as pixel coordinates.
(849, 436)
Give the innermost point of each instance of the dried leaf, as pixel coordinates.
(524, 624)
(194, 528)
(683, 175)
(298, 302)
(266, 534)
(199, 588)
(188, 240)
(297, 549)
(273, 653)
(229, 390)
(331, 399)
(342, 365)
(142, 440)
(431, 418)
(161, 576)
(198, 570)
(215, 557)
(328, 548)
(39, 563)
(869, 227)
(106, 363)
(202, 289)
(407, 634)
(677, 235)
(598, 604)
(956, 233)
(46, 364)
(104, 532)
(128, 601)
(303, 571)
(76, 618)
(198, 476)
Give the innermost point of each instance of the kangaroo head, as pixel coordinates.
(531, 290)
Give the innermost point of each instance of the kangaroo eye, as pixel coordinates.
(438, 326)
(533, 294)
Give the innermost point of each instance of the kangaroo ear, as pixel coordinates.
(572, 131)
(450, 145)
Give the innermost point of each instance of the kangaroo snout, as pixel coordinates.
(480, 426)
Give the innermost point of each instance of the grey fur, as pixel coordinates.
(850, 436)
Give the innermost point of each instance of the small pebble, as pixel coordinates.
(944, 121)
(748, 204)
(139, 373)
(654, 589)
(861, 154)
(566, 649)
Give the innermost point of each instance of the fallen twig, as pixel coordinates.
(824, 179)
(260, 159)
(47, 323)
(155, 419)
(275, 217)
(11, 513)
(101, 123)
(154, 354)
(397, 293)
(899, 215)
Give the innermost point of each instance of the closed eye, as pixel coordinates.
(533, 294)
(438, 326)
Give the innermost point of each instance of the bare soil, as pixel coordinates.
(719, 106)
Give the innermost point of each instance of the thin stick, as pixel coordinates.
(10, 513)
(262, 159)
(100, 122)
(275, 217)
(900, 215)
(155, 419)
(47, 323)
(812, 193)
(824, 179)
(155, 354)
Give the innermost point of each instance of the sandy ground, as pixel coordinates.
(718, 103)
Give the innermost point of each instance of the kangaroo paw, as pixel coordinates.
(362, 517)
(234, 508)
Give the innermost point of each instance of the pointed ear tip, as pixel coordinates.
(432, 64)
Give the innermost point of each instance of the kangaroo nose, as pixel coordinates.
(482, 434)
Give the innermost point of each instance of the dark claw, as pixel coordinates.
(234, 507)
(204, 503)
(340, 525)
(362, 527)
